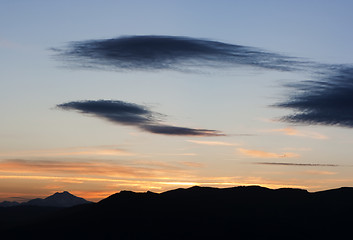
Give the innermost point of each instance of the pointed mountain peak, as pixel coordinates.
(64, 193)
(59, 199)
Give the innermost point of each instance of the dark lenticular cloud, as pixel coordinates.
(114, 111)
(325, 101)
(172, 130)
(133, 115)
(168, 52)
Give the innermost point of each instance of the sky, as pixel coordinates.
(103, 96)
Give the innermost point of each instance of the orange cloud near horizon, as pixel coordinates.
(294, 132)
(263, 154)
(75, 151)
(87, 168)
(212, 143)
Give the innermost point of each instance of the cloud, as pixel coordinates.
(294, 132)
(297, 164)
(263, 154)
(115, 111)
(303, 149)
(326, 100)
(212, 143)
(187, 154)
(85, 168)
(73, 151)
(313, 172)
(133, 115)
(193, 164)
(152, 52)
(182, 131)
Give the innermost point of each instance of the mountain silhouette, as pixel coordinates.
(9, 204)
(201, 213)
(59, 199)
(14, 213)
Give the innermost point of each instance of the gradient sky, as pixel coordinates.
(271, 128)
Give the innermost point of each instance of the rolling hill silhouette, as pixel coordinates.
(201, 213)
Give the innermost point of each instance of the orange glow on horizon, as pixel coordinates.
(97, 180)
(139, 185)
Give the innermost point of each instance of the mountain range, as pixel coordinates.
(198, 213)
(59, 199)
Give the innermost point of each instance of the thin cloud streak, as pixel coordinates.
(84, 168)
(133, 115)
(313, 172)
(74, 151)
(297, 164)
(264, 154)
(193, 164)
(212, 143)
(294, 132)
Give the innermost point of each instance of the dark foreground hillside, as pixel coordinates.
(201, 213)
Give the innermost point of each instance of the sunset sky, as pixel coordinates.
(103, 96)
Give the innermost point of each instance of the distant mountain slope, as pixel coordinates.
(203, 213)
(14, 213)
(63, 199)
(9, 204)
(58, 199)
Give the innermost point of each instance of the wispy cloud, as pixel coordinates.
(212, 143)
(313, 172)
(263, 154)
(133, 115)
(193, 164)
(294, 132)
(86, 168)
(168, 52)
(74, 151)
(304, 149)
(297, 164)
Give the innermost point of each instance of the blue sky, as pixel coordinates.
(44, 149)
